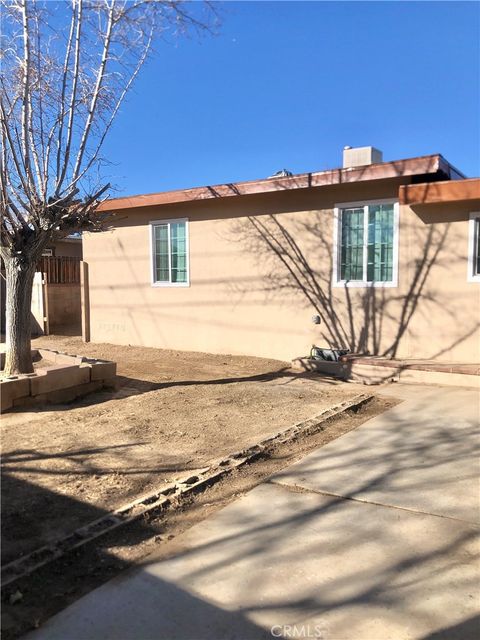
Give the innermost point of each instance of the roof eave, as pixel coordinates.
(440, 192)
(423, 165)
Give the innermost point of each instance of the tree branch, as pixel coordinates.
(76, 25)
(96, 91)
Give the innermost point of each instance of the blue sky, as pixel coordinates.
(288, 84)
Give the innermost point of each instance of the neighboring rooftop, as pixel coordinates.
(430, 168)
(71, 238)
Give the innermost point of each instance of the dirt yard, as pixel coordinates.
(66, 465)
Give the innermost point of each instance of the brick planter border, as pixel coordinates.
(70, 377)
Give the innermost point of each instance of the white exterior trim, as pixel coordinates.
(153, 282)
(471, 276)
(337, 215)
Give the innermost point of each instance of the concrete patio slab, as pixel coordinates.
(276, 558)
(421, 455)
(287, 561)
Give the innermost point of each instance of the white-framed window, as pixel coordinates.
(365, 244)
(474, 247)
(169, 244)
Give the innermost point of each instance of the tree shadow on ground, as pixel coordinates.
(161, 609)
(381, 569)
(465, 630)
(356, 555)
(33, 514)
(125, 387)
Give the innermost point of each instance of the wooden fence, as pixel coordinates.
(61, 270)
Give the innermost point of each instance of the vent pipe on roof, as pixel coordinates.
(283, 173)
(360, 156)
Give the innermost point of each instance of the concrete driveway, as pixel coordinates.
(372, 537)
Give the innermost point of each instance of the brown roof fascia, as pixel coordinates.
(409, 167)
(451, 172)
(436, 192)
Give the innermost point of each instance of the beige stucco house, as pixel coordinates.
(377, 257)
(69, 247)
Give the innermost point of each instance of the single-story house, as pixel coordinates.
(380, 258)
(69, 247)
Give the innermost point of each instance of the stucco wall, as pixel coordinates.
(247, 298)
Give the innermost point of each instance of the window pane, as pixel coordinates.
(476, 256)
(380, 243)
(161, 253)
(178, 247)
(351, 250)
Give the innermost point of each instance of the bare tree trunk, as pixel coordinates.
(20, 272)
(57, 105)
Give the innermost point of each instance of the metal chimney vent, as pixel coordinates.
(283, 173)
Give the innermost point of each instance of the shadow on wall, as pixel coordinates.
(372, 321)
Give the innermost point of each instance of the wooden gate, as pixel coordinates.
(61, 295)
(61, 270)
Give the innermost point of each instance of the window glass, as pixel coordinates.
(351, 262)
(161, 253)
(170, 249)
(367, 238)
(178, 248)
(476, 257)
(380, 243)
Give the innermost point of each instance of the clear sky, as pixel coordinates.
(288, 84)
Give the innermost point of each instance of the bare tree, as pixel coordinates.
(67, 67)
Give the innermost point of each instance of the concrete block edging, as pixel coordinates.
(70, 377)
(171, 495)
